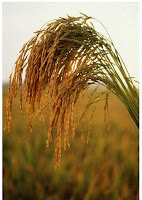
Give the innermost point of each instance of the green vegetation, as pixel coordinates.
(106, 168)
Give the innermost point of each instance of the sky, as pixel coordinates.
(21, 20)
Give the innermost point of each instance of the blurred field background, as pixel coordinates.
(104, 169)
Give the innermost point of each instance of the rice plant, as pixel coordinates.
(61, 61)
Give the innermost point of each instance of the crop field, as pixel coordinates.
(106, 168)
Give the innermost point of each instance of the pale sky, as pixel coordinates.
(20, 20)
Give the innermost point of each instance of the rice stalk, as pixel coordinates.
(61, 61)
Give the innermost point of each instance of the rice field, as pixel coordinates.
(106, 168)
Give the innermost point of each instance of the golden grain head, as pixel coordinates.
(61, 61)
